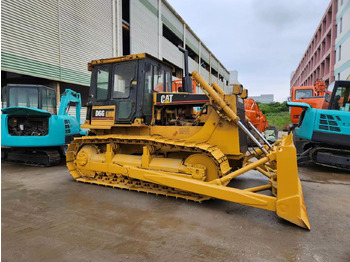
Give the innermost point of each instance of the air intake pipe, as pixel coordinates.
(186, 80)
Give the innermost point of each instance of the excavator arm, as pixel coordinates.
(69, 96)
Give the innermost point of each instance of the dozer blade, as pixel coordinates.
(277, 162)
(290, 203)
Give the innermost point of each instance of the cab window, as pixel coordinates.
(303, 93)
(26, 97)
(48, 98)
(148, 78)
(4, 97)
(147, 96)
(51, 102)
(102, 76)
(124, 75)
(342, 99)
(168, 84)
(158, 79)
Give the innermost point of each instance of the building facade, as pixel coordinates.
(342, 42)
(51, 42)
(265, 99)
(328, 54)
(319, 58)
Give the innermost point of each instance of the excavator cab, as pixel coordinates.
(340, 98)
(29, 96)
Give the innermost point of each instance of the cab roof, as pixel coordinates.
(303, 87)
(28, 86)
(122, 59)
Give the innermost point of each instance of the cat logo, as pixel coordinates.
(166, 99)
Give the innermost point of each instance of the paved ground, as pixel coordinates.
(47, 216)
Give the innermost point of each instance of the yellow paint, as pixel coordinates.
(244, 94)
(190, 162)
(115, 60)
(237, 89)
(102, 121)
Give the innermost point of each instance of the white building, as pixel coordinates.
(342, 42)
(265, 98)
(51, 42)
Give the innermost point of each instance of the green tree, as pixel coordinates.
(273, 107)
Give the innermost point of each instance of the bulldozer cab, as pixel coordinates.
(340, 99)
(127, 85)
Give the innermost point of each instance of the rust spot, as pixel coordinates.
(175, 134)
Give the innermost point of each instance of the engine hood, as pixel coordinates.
(20, 111)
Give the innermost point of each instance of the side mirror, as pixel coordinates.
(244, 94)
(237, 89)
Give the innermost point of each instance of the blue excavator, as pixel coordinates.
(32, 132)
(323, 135)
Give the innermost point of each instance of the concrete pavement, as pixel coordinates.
(46, 216)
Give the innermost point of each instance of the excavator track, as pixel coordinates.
(40, 157)
(124, 182)
(328, 157)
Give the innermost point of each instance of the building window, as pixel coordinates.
(126, 26)
(205, 64)
(339, 53)
(338, 76)
(192, 54)
(341, 2)
(177, 71)
(214, 72)
(341, 25)
(171, 36)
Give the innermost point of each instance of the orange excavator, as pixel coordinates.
(317, 96)
(259, 121)
(177, 86)
(255, 115)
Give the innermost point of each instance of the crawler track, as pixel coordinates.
(162, 144)
(40, 157)
(330, 157)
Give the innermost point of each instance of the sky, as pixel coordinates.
(263, 40)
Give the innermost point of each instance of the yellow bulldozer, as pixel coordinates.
(146, 138)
